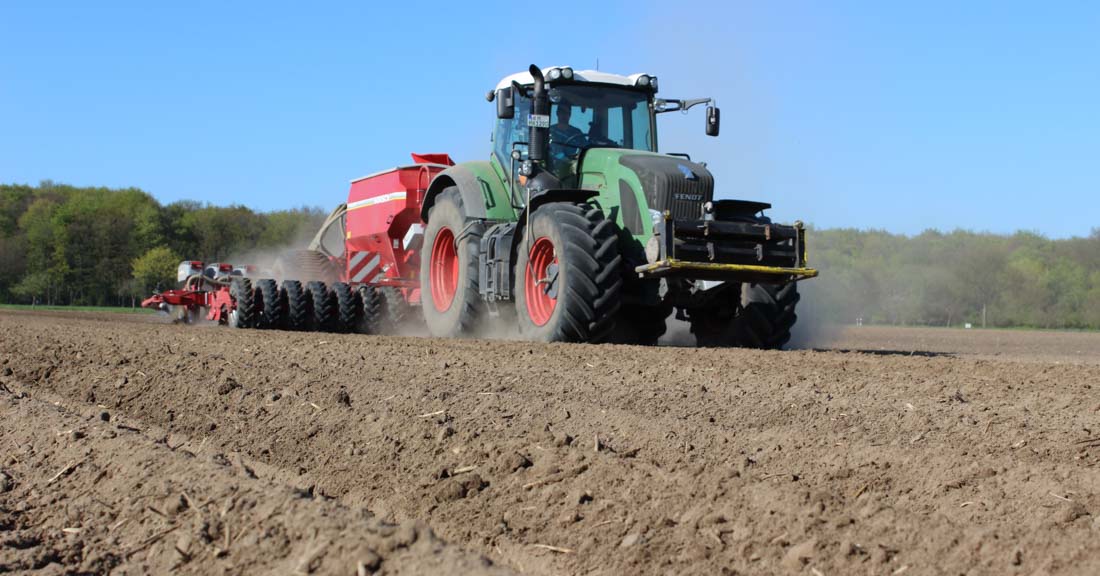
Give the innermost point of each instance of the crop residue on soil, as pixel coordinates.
(139, 447)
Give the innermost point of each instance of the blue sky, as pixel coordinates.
(900, 116)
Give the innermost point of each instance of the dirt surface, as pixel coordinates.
(133, 446)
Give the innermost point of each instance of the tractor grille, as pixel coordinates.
(673, 184)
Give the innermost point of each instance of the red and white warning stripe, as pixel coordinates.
(362, 264)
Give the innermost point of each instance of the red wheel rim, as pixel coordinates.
(540, 306)
(443, 272)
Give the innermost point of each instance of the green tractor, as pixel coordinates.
(582, 231)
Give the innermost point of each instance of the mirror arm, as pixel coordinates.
(661, 105)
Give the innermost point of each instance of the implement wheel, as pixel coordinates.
(243, 315)
(348, 307)
(448, 269)
(568, 275)
(299, 305)
(324, 306)
(372, 302)
(273, 302)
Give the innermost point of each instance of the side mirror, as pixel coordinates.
(506, 105)
(714, 120)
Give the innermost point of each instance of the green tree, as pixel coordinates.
(157, 267)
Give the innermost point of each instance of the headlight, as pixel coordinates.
(643, 80)
(567, 73)
(653, 83)
(554, 74)
(652, 249)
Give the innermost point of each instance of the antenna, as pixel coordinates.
(597, 63)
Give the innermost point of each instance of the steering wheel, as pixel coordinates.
(598, 142)
(574, 141)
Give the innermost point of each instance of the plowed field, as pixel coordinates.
(132, 446)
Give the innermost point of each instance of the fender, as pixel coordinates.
(483, 195)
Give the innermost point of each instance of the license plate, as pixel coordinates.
(538, 121)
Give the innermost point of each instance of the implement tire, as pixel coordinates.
(299, 305)
(396, 311)
(348, 307)
(243, 314)
(568, 275)
(373, 309)
(272, 303)
(452, 306)
(763, 318)
(324, 306)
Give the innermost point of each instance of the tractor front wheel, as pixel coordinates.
(641, 325)
(568, 275)
(448, 268)
(757, 316)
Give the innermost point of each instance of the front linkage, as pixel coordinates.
(736, 250)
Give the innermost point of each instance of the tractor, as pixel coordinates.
(579, 228)
(575, 229)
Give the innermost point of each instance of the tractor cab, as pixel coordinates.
(588, 110)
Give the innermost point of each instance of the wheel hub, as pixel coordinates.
(540, 286)
(443, 270)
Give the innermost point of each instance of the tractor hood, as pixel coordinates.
(668, 183)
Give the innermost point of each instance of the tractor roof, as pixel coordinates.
(595, 76)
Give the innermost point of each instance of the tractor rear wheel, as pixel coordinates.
(448, 268)
(243, 314)
(324, 306)
(568, 275)
(348, 307)
(762, 317)
(271, 314)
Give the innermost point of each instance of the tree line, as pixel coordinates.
(96, 246)
(949, 279)
(61, 244)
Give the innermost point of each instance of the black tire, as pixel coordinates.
(396, 310)
(461, 315)
(588, 279)
(244, 314)
(763, 317)
(273, 303)
(349, 309)
(299, 305)
(306, 266)
(324, 306)
(641, 325)
(373, 310)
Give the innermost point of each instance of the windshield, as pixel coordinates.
(585, 117)
(582, 117)
(600, 117)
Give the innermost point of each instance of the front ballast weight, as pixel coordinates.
(728, 250)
